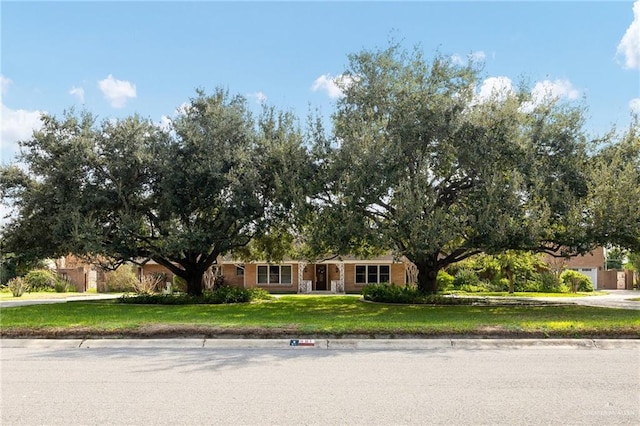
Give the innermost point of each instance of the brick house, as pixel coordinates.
(339, 275)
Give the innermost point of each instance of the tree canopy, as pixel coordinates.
(417, 162)
(422, 165)
(129, 190)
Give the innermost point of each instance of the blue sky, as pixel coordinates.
(119, 58)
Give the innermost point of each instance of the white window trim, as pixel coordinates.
(366, 273)
(269, 275)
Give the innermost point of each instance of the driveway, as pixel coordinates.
(87, 296)
(614, 299)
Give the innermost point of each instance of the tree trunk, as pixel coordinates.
(194, 284)
(427, 275)
(512, 287)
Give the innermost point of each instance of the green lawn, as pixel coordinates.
(315, 315)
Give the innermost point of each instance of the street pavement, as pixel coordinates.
(412, 382)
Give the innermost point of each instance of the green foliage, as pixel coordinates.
(421, 166)
(390, 293)
(407, 294)
(221, 295)
(576, 281)
(445, 281)
(42, 280)
(63, 285)
(259, 294)
(549, 283)
(127, 189)
(12, 265)
(17, 286)
(479, 287)
(615, 258)
(465, 277)
(121, 280)
(178, 284)
(614, 188)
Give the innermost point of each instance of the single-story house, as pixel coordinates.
(336, 275)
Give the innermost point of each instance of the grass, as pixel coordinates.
(315, 316)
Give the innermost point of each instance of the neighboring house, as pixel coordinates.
(338, 275)
(590, 264)
(84, 276)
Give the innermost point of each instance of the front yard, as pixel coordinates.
(299, 316)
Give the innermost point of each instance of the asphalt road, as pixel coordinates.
(193, 382)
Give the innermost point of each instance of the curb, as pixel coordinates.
(321, 344)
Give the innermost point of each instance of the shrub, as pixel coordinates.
(498, 284)
(148, 284)
(122, 279)
(576, 281)
(408, 294)
(17, 286)
(549, 283)
(475, 288)
(178, 284)
(218, 296)
(41, 280)
(465, 277)
(257, 294)
(230, 295)
(445, 281)
(530, 286)
(63, 285)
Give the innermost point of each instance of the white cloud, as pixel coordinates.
(259, 97)
(332, 85)
(16, 125)
(497, 88)
(165, 123)
(78, 92)
(4, 84)
(547, 89)
(166, 120)
(117, 92)
(629, 46)
(475, 57)
(478, 56)
(634, 104)
(457, 60)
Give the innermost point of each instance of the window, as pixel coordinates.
(239, 271)
(274, 274)
(371, 274)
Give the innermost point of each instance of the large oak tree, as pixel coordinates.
(421, 164)
(130, 190)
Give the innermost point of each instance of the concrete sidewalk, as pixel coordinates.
(323, 344)
(84, 297)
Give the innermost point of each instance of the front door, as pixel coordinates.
(321, 277)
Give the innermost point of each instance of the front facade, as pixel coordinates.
(338, 275)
